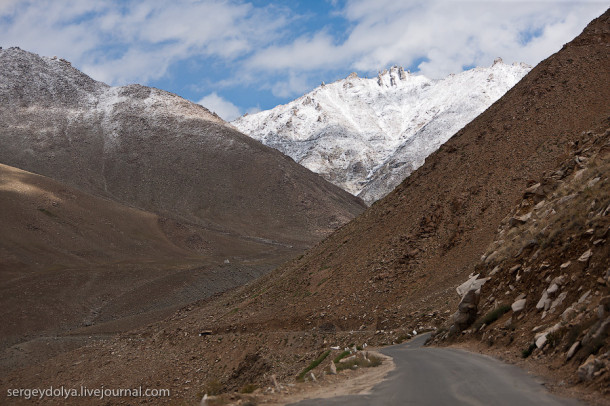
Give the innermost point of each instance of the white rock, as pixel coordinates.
(584, 297)
(559, 280)
(541, 341)
(587, 369)
(471, 284)
(585, 256)
(541, 303)
(540, 205)
(532, 189)
(519, 305)
(573, 349)
(558, 301)
(333, 368)
(491, 257)
(569, 314)
(514, 268)
(565, 265)
(592, 182)
(538, 328)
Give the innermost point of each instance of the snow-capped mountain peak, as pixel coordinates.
(365, 135)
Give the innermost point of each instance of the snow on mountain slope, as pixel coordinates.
(367, 135)
(151, 149)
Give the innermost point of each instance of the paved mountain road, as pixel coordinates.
(447, 376)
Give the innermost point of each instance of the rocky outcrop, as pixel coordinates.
(518, 305)
(470, 292)
(466, 313)
(592, 368)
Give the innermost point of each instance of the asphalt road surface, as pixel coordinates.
(447, 376)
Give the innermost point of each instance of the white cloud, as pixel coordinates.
(446, 35)
(253, 110)
(49, 28)
(306, 53)
(224, 108)
(295, 83)
(121, 42)
(7, 6)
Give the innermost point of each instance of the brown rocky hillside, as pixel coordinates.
(546, 276)
(393, 269)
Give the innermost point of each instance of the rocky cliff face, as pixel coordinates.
(367, 135)
(156, 151)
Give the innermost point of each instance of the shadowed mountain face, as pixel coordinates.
(153, 150)
(64, 254)
(74, 265)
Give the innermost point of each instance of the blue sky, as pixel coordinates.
(238, 56)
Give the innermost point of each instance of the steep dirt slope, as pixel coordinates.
(48, 228)
(156, 151)
(70, 260)
(393, 269)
